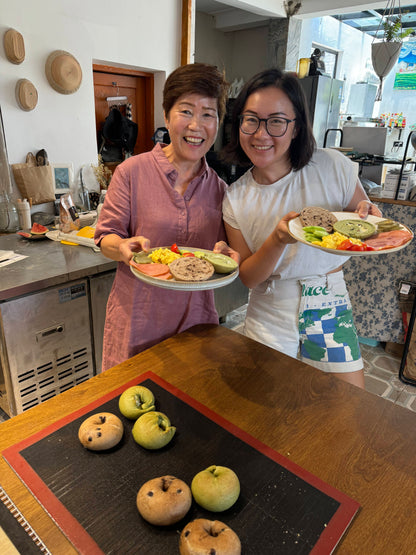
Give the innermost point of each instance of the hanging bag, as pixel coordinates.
(34, 182)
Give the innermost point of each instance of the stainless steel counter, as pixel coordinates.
(56, 298)
(48, 263)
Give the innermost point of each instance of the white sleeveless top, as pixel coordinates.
(328, 181)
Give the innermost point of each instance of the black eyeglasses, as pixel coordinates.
(275, 126)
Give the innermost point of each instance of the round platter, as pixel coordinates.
(296, 231)
(217, 280)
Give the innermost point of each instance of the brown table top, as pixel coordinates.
(357, 442)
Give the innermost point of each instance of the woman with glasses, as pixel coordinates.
(298, 301)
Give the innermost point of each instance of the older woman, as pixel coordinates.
(158, 198)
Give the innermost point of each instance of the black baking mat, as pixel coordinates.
(17, 530)
(91, 495)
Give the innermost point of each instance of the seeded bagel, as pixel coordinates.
(101, 431)
(313, 215)
(205, 537)
(164, 501)
(191, 269)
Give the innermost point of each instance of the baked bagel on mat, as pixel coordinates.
(203, 536)
(163, 501)
(101, 431)
(191, 269)
(313, 215)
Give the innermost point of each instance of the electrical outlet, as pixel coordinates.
(398, 144)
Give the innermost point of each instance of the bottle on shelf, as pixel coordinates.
(23, 210)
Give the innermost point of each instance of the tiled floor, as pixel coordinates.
(381, 369)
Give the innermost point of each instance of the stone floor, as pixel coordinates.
(381, 369)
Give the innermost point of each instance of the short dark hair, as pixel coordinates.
(302, 146)
(198, 78)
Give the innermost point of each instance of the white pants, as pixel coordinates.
(308, 319)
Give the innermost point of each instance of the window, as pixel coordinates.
(329, 58)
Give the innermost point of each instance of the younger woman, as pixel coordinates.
(298, 295)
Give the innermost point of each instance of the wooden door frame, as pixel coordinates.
(149, 127)
(186, 32)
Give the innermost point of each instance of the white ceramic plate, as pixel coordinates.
(217, 280)
(296, 231)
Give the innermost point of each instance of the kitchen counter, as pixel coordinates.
(48, 263)
(56, 298)
(353, 440)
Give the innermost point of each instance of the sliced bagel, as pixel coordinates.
(313, 215)
(191, 269)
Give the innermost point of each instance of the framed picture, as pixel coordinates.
(63, 175)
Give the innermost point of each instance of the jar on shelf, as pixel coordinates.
(9, 219)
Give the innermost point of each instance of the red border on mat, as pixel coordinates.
(84, 543)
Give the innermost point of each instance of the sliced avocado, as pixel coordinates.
(357, 229)
(222, 264)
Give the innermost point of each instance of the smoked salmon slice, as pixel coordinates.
(389, 239)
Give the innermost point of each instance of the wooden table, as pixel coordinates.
(355, 441)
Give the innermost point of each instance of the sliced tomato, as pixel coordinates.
(188, 254)
(174, 248)
(357, 248)
(345, 245)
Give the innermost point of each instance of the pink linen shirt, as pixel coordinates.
(141, 200)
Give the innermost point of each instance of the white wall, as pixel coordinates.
(241, 53)
(139, 34)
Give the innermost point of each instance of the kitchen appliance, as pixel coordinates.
(361, 100)
(385, 142)
(46, 345)
(324, 96)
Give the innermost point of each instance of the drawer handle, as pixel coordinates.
(59, 328)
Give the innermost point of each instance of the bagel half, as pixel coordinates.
(191, 269)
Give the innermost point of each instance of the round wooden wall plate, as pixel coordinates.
(63, 72)
(26, 95)
(14, 46)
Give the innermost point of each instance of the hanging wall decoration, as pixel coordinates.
(405, 78)
(63, 72)
(14, 46)
(26, 95)
(384, 54)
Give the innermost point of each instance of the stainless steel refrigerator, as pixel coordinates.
(324, 96)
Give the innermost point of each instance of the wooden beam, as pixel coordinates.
(186, 32)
